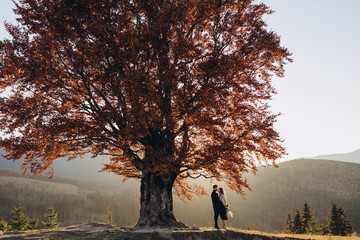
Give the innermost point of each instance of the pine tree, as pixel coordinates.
(324, 229)
(109, 217)
(334, 220)
(51, 218)
(348, 227)
(297, 223)
(288, 226)
(345, 226)
(307, 219)
(34, 224)
(338, 224)
(19, 221)
(304, 222)
(3, 225)
(316, 227)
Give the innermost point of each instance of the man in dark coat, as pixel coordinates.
(216, 204)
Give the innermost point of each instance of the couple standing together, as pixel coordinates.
(219, 205)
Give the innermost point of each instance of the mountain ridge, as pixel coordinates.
(353, 156)
(86, 168)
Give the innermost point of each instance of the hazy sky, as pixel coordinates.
(320, 95)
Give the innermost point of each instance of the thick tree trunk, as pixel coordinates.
(156, 201)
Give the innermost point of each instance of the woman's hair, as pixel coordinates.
(221, 190)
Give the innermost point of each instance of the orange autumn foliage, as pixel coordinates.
(163, 86)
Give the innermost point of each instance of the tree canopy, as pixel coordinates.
(171, 88)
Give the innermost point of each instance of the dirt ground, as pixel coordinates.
(106, 232)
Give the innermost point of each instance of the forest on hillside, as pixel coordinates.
(275, 192)
(75, 201)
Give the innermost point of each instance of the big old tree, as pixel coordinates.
(170, 89)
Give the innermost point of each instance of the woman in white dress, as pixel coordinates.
(223, 207)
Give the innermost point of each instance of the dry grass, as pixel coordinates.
(302, 236)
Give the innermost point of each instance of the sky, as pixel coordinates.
(319, 97)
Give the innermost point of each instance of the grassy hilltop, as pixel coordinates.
(102, 231)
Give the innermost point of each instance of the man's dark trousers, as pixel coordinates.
(216, 216)
(216, 205)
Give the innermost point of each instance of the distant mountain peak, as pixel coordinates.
(353, 157)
